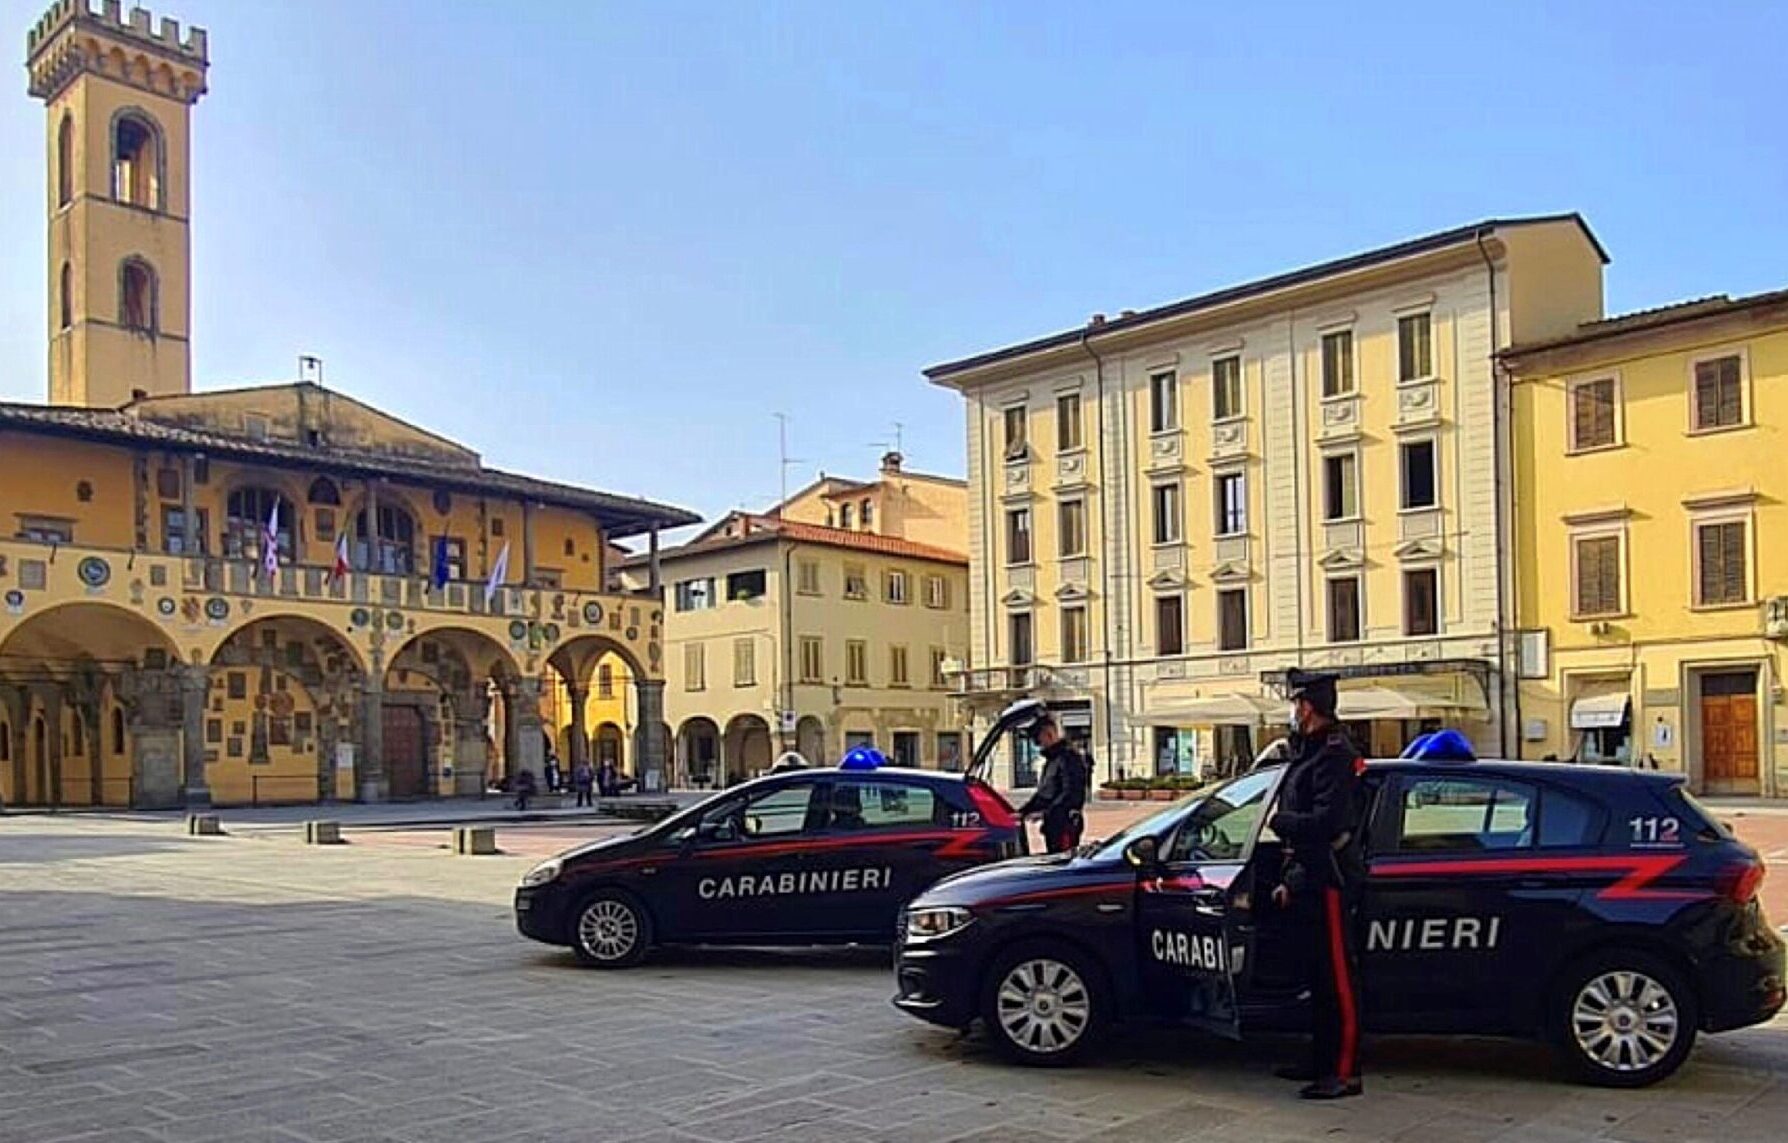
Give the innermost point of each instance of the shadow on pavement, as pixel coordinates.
(40, 848)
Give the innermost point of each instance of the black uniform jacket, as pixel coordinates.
(1317, 811)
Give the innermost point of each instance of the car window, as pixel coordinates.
(873, 805)
(1222, 826)
(1466, 814)
(772, 813)
(1568, 820)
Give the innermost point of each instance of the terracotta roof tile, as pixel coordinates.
(762, 528)
(1672, 314)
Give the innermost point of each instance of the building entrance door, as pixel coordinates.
(1729, 732)
(405, 755)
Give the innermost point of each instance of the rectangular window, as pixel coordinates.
(695, 667)
(1722, 576)
(1340, 487)
(46, 530)
(813, 659)
(1073, 634)
(1170, 625)
(856, 663)
(1015, 444)
(1072, 532)
(695, 594)
(1067, 422)
(1415, 348)
(1719, 393)
(1598, 575)
(745, 585)
(856, 582)
(1344, 610)
(1226, 388)
(1232, 503)
(605, 681)
(173, 531)
(1019, 628)
(454, 549)
(1337, 363)
(1592, 414)
(1164, 402)
(898, 674)
(937, 592)
(808, 577)
(1421, 602)
(744, 663)
(1018, 536)
(938, 679)
(1166, 500)
(1419, 485)
(1232, 619)
(1465, 815)
(894, 587)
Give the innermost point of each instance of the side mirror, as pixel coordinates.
(1143, 853)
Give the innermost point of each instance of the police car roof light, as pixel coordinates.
(1440, 746)
(862, 758)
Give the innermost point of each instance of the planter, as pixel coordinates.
(1109, 795)
(1131, 795)
(1163, 795)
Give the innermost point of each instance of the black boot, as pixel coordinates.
(1331, 1088)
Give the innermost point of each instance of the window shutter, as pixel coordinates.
(1609, 585)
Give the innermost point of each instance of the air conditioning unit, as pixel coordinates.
(1775, 617)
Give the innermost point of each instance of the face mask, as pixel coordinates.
(1291, 719)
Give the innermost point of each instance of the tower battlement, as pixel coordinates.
(139, 25)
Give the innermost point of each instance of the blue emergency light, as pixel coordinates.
(863, 758)
(1440, 746)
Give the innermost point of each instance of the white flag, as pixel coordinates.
(498, 573)
(270, 543)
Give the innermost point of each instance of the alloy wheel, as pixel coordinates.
(1624, 1021)
(1043, 1005)
(608, 930)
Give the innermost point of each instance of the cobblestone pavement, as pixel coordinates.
(158, 987)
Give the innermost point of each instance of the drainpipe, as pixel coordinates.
(1104, 538)
(1499, 425)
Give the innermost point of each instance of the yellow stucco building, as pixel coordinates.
(1652, 541)
(831, 621)
(1168, 508)
(151, 651)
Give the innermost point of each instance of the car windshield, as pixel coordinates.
(1156, 824)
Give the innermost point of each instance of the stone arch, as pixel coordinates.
(574, 674)
(746, 747)
(698, 752)
(456, 688)
(810, 739)
(283, 695)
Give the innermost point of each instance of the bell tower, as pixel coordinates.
(119, 92)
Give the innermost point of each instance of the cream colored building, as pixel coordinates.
(1169, 508)
(782, 632)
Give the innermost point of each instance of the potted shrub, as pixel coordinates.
(1164, 788)
(1131, 789)
(1111, 791)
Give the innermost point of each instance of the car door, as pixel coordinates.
(875, 852)
(740, 875)
(1462, 902)
(1194, 921)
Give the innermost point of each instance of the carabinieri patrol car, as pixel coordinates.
(1600, 909)
(806, 856)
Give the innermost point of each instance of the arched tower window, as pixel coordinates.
(136, 161)
(249, 510)
(324, 491)
(65, 160)
(65, 297)
(394, 552)
(138, 305)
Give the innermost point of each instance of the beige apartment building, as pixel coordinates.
(1169, 508)
(833, 620)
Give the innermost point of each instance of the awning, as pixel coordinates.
(1600, 712)
(1217, 710)
(1359, 703)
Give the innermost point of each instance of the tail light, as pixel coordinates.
(1741, 882)
(994, 810)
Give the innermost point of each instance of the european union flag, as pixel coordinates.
(438, 577)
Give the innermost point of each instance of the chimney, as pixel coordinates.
(1096, 320)
(891, 463)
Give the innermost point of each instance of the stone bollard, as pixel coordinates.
(203, 825)
(474, 840)
(322, 833)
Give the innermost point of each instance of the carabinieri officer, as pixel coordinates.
(1320, 885)
(1061, 794)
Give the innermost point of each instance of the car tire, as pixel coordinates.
(1624, 1018)
(1045, 1003)
(610, 929)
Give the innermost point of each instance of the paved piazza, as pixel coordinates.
(248, 988)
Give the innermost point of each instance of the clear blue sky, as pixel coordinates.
(605, 242)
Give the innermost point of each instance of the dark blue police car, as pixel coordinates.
(1600, 909)
(807, 856)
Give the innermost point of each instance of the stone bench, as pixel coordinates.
(474, 841)
(204, 825)
(322, 833)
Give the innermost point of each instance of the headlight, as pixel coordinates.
(929, 924)
(541, 874)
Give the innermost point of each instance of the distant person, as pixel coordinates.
(1061, 794)
(582, 779)
(553, 779)
(524, 789)
(608, 779)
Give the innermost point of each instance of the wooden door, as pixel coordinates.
(405, 755)
(1729, 732)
